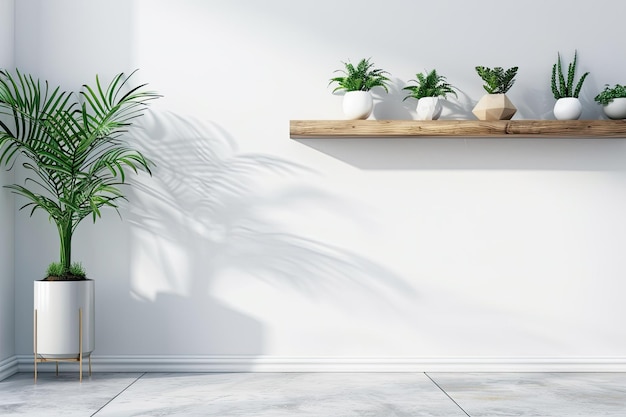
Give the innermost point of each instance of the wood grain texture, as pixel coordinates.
(457, 128)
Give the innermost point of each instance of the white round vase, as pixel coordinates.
(358, 105)
(616, 109)
(59, 306)
(428, 108)
(567, 108)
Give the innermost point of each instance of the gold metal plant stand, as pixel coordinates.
(79, 358)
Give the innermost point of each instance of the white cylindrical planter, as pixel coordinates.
(616, 109)
(567, 108)
(358, 105)
(58, 307)
(428, 108)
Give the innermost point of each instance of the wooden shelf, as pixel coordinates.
(457, 128)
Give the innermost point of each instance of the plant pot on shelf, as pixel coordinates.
(64, 321)
(358, 105)
(428, 108)
(567, 108)
(494, 107)
(615, 109)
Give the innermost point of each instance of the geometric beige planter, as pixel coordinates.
(494, 107)
(357, 105)
(64, 321)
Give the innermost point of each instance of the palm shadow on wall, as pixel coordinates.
(204, 213)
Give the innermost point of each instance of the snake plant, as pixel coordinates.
(564, 87)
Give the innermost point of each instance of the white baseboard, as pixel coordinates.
(8, 367)
(224, 363)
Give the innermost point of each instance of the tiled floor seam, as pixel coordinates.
(118, 394)
(447, 395)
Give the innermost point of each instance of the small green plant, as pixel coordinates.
(429, 85)
(497, 80)
(565, 88)
(56, 270)
(609, 93)
(363, 77)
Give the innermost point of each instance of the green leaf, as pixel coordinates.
(363, 77)
(74, 158)
(497, 80)
(562, 86)
(429, 85)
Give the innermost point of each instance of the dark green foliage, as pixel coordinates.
(70, 147)
(609, 93)
(497, 80)
(565, 88)
(429, 85)
(363, 77)
(57, 272)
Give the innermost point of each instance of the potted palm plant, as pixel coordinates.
(71, 149)
(428, 89)
(495, 105)
(357, 83)
(567, 106)
(613, 101)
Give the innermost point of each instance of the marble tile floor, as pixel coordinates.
(315, 394)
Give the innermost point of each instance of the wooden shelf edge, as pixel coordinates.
(300, 129)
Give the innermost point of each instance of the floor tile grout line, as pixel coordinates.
(447, 395)
(118, 394)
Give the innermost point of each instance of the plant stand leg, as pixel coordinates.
(80, 357)
(80, 343)
(35, 342)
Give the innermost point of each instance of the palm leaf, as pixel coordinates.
(75, 158)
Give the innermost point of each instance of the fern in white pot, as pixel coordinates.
(357, 82)
(428, 89)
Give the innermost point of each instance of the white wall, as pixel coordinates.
(246, 242)
(7, 288)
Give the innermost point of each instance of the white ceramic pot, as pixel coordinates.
(358, 105)
(567, 108)
(428, 108)
(57, 305)
(494, 107)
(616, 109)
